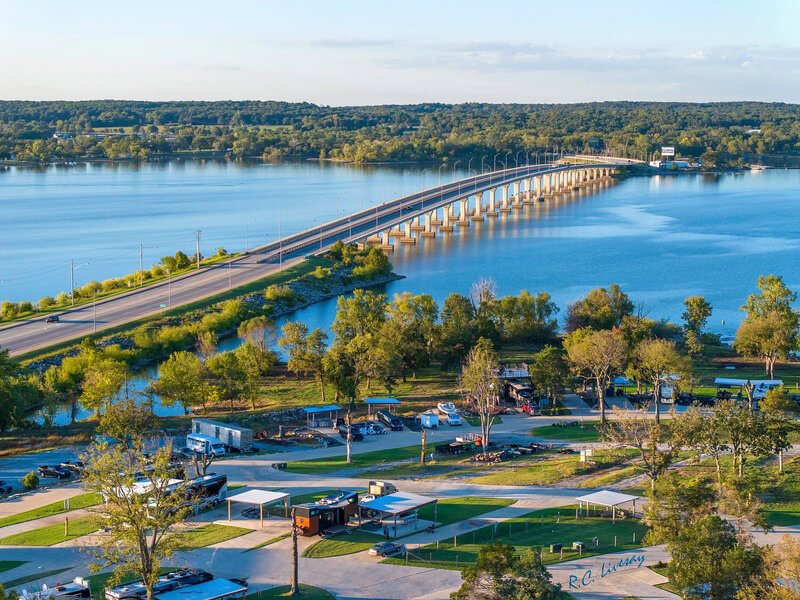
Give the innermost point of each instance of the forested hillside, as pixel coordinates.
(719, 133)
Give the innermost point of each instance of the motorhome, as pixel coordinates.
(167, 582)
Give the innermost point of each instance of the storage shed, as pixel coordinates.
(313, 518)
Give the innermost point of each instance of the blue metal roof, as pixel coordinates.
(318, 409)
(381, 400)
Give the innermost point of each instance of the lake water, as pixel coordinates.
(661, 238)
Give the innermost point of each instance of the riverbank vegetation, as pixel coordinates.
(720, 134)
(169, 267)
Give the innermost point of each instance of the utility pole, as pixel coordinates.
(424, 440)
(230, 281)
(141, 267)
(169, 289)
(197, 240)
(295, 584)
(72, 280)
(95, 312)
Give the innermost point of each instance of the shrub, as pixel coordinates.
(157, 271)
(30, 481)
(281, 293)
(25, 307)
(8, 310)
(62, 298)
(47, 301)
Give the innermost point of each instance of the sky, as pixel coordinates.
(380, 52)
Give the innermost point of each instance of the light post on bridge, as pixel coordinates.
(507, 154)
(482, 158)
(440, 172)
(455, 164)
(516, 159)
(469, 168)
(494, 168)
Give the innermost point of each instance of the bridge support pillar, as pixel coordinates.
(528, 198)
(504, 208)
(415, 225)
(447, 215)
(433, 218)
(386, 241)
(478, 214)
(396, 232)
(463, 213)
(492, 212)
(428, 231)
(409, 236)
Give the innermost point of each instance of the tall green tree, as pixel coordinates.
(597, 355)
(411, 321)
(478, 385)
(181, 381)
(661, 364)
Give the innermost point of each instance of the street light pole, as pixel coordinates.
(95, 311)
(72, 280)
(169, 289)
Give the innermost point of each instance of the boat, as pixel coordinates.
(446, 407)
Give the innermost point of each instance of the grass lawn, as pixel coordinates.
(365, 459)
(538, 530)
(668, 586)
(344, 543)
(582, 432)
(305, 592)
(7, 565)
(612, 477)
(51, 534)
(551, 469)
(452, 510)
(212, 533)
(33, 577)
(80, 501)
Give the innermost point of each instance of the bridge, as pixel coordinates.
(423, 214)
(445, 207)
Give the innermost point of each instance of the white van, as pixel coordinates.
(204, 444)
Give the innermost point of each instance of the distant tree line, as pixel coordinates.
(719, 133)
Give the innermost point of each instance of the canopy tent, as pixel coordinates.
(259, 498)
(390, 402)
(729, 381)
(608, 499)
(399, 504)
(313, 411)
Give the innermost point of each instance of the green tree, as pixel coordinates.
(678, 503)
(526, 318)
(597, 355)
(698, 309)
(125, 416)
(600, 309)
(359, 315)
(478, 385)
(254, 364)
(181, 381)
(549, 371)
(411, 322)
(712, 575)
(142, 525)
(458, 331)
(780, 412)
(30, 481)
(316, 348)
(769, 337)
(258, 331)
(226, 376)
(101, 384)
(294, 342)
(660, 363)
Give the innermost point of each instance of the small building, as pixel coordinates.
(670, 164)
(239, 439)
(429, 420)
(315, 517)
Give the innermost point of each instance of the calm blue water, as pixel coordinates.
(661, 238)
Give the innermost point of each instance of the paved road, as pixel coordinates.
(32, 334)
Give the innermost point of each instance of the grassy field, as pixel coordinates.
(365, 459)
(81, 501)
(305, 592)
(452, 510)
(33, 577)
(609, 479)
(552, 469)
(341, 544)
(210, 534)
(537, 530)
(582, 432)
(51, 534)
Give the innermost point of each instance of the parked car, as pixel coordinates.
(366, 498)
(5, 488)
(387, 549)
(51, 319)
(355, 432)
(53, 472)
(73, 466)
(453, 419)
(394, 422)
